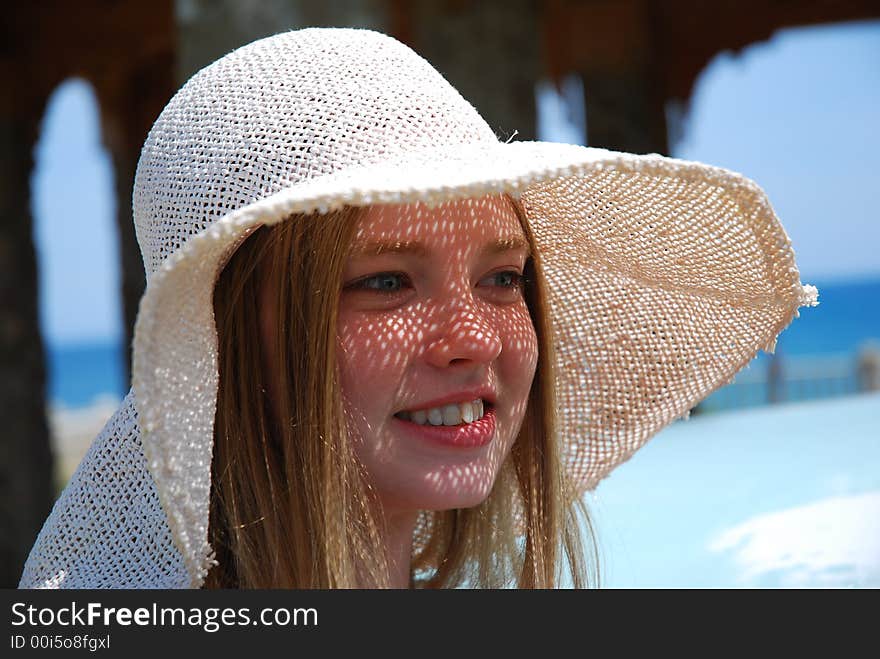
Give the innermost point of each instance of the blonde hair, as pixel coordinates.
(290, 503)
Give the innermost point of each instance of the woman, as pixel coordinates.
(457, 322)
(338, 249)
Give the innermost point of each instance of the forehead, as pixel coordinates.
(456, 222)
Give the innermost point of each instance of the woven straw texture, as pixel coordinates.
(665, 277)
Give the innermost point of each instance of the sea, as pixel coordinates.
(846, 319)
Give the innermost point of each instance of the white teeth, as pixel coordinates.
(451, 415)
(467, 413)
(448, 415)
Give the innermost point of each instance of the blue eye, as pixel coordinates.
(385, 282)
(390, 283)
(514, 279)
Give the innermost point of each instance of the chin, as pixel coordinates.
(446, 488)
(457, 503)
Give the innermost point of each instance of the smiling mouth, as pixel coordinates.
(448, 415)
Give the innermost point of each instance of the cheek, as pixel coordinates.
(519, 358)
(372, 354)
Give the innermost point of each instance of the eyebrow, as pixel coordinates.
(377, 248)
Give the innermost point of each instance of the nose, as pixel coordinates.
(465, 336)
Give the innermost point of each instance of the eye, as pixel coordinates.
(506, 286)
(384, 283)
(509, 279)
(392, 283)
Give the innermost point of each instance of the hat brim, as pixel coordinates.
(667, 278)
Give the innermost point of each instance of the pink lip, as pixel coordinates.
(467, 395)
(468, 435)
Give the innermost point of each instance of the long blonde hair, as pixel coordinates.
(290, 502)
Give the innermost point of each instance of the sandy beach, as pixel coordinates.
(72, 432)
(785, 496)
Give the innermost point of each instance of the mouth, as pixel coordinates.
(456, 414)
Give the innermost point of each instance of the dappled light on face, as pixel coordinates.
(432, 306)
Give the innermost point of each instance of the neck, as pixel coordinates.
(398, 547)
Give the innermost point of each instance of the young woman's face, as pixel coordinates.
(432, 314)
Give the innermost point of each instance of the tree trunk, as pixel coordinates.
(208, 29)
(131, 99)
(26, 488)
(489, 51)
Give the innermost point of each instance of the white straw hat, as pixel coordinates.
(667, 276)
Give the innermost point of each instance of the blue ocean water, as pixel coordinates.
(847, 317)
(78, 374)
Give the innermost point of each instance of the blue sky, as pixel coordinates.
(798, 114)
